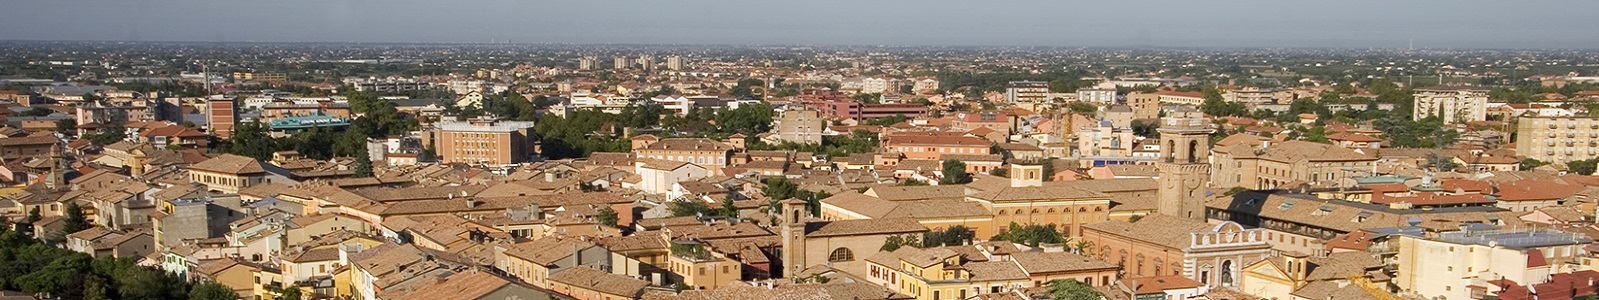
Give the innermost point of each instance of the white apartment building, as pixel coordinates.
(1453, 104)
(925, 85)
(1253, 95)
(1026, 91)
(1459, 264)
(676, 104)
(461, 87)
(675, 63)
(587, 63)
(1097, 95)
(874, 85)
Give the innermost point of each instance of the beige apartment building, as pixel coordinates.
(711, 154)
(801, 126)
(1145, 105)
(1262, 164)
(1453, 104)
(484, 141)
(1558, 139)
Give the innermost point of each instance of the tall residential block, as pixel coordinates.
(1558, 139)
(222, 115)
(484, 141)
(1453, 104)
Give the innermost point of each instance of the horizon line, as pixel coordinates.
(708, 45)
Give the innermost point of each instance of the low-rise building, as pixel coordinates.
(1461, 264)
(1159, 245)
(931, 146)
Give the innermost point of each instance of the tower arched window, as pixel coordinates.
(1193, 151)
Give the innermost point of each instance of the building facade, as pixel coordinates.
(1026, 91)
(222, 114)
(926, 146)
(1460, 264)
(801, 126)
(1454, 105)
(1557, 139)
(485, 141)
(1213, 254)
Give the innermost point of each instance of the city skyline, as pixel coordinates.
(1231, 24)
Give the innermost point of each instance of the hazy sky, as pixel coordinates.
(1105, 23)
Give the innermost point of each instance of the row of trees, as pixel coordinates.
(1031, 234)
(859, 141)
(32, 266)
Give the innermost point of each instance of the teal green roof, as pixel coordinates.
(302, 122)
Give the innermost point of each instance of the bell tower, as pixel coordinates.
(57, 179)
(1184, 163)
(793, 255)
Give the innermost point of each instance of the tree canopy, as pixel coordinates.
(29, 265)
(1069, 289)
(955, 172)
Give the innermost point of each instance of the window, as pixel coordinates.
(841, 255)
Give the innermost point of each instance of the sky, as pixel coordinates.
(1069, 23)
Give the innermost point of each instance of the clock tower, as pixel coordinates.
(1184, 163)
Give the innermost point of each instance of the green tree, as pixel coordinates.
(291, 293)
(1049, 169)
(75, 220)
(607, 216)
(33, 215)
(67, 126)
(729, 210)
(1316, 134)
(59, 276)
(1529, 164)
(1216, 106)
(952, 236)
(688, 207)
(251, 139)
(1031, 234)
(886, 121)
(94, 288)
(1583, 167)
(1148, 130)
(893, 242)
(913, 182)
(210, 290)
(1083, 108)
(748, 119)
(955, 172)
(780, 188)
(110, 134)
(363, 165)
(1070, 289)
